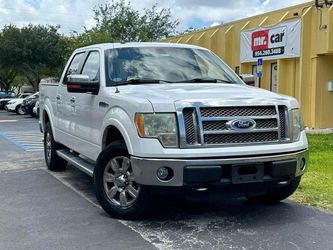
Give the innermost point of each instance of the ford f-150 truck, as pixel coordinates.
(140, 117)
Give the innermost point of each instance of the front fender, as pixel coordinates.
(120, 119)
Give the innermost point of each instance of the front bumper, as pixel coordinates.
(274, 167)
(10, 107)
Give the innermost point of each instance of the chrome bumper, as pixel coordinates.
(145, 169)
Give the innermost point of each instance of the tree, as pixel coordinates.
(7, 77)
(117, 21)
(86, 38)
(34, 51)
(43, 52)
(9, 37)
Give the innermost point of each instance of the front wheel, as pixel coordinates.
(115, 187)
(277, 194)
(19, 110)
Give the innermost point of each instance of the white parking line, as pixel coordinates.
(3, 121)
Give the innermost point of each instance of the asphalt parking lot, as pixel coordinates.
(44, 210)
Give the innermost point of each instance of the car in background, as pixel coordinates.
(5, 100)
(7, 94)
(36, 109)
(29, 103)
(15, 105)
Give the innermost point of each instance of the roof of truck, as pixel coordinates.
(105, 46)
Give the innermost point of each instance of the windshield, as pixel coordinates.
(165, 64)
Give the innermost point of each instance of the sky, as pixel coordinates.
(74, 15)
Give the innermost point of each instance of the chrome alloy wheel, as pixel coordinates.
(48, 147)
(119, 184)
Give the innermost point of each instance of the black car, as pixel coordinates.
(29, 104)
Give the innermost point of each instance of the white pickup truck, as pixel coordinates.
(139, 117)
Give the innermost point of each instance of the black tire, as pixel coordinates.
(53, 161)
(19, 110)
(138, 207)
(277, 194)
(32, 114)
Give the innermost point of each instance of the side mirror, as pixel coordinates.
(81, 84)
(248, 79)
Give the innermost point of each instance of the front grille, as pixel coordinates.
(189, 117)
(238, 111)
(214, 125)
(221, 125)
(241, 138)
(211, 124)
(283, 118)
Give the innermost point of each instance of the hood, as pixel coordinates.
(6, 99)
(164, 96)
(15, 100)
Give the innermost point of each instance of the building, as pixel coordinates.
(296, 45)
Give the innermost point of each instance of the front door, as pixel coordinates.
(65, 110)
(84, 106)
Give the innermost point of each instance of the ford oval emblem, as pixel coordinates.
(241, 124)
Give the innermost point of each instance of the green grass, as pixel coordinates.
(316, 188)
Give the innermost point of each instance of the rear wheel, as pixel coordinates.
(277, 194)
(115, 186)
(52, 159)
(19, 110)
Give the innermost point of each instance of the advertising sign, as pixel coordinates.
(282, 40)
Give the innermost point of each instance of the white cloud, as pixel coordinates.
(215, 24)
(75, 14)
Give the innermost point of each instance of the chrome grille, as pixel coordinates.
(214, 125)
(189, 117)
(283, 112)
(241, 138)
(267, 123)
(237, 111)
(221, 125)
(205, 126)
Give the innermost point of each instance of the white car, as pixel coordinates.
(15, 105)
(4, 101)
(145, 117)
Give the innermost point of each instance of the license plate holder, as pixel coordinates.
(247, 173)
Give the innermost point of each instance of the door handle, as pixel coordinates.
(72, 100)
(103, 105)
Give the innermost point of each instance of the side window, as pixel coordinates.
(75, 64)
(91, 66)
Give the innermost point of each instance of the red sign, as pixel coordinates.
(260, 40)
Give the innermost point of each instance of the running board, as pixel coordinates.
(76, 161)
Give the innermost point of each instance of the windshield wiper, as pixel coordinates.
(205, 80)
(139, 81)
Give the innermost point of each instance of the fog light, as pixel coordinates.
(303, 164)
(164, 173)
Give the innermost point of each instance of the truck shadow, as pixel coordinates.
(168, 208)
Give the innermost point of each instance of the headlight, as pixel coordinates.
(162, 126)
(296, 124)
